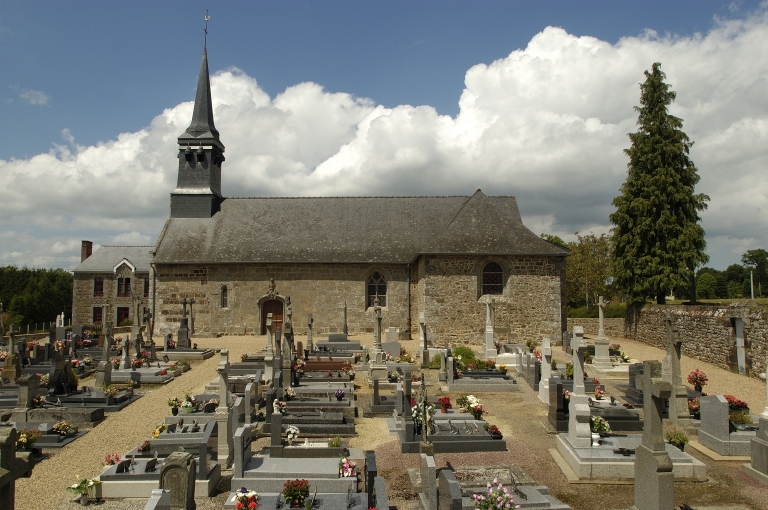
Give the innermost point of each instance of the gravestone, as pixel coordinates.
(58, 375)
(371, 472)
(558, 407)
(393, 334)
(28, 389)
(758, 465)
(602, 359)
(678, 402)
(178, 476)
(423, 340)
(490, 342)
(108, 329)
(448, 491)
(243, 453)
(427, 470)
(546, 369)
(270, 356)
(376, 349)
(11, 367)
(715, 431)
(223, 412)
(11, 467)
(103, 374)
(654, 487)
(309, 332)
(125, 360)
(579, 425)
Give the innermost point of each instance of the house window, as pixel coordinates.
(122, 314)
(146, 287)
(123, 287)
(98, 286)
(377, 288)
(97, 317)
(493, 279)
(224, 296)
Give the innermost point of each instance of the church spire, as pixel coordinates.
(202, 127)
(201, 153)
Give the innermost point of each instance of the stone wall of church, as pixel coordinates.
(529, 307)
(319, 289)
(83, 300)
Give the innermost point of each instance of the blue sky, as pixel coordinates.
(86, 83)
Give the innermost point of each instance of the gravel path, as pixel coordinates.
(520, 416)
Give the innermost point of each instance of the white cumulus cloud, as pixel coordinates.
(548, 124)
(35, 97)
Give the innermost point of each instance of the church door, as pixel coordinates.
(274, 307)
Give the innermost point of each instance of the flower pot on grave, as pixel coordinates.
(84, 501)
(209, 408)
(351, 377)
(339, 397)
(698, 388)
(174, 411)
(187, 410)
(595, 439)
(739, 426)
(680, 446)
(443, 409)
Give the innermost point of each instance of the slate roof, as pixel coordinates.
(106, 258)
(350, 230)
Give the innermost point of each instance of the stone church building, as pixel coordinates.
(241, 258)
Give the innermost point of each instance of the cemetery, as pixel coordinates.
(514, 410)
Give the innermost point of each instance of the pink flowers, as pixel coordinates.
(697, 378)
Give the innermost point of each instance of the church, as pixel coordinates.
(238, 259)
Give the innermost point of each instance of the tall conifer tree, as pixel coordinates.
(657, 239)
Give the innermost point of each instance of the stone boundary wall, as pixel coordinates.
(614, 328)
(707, 332)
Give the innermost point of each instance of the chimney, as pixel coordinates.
(86, 250)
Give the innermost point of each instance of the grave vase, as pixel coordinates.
(174, 411)
(698, 388)
(595, 439)
(84, 500)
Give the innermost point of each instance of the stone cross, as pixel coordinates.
(345, 318)
(309, 332)
(191, 317)
(11, 467)
(223, 370)
(376, 328)
(602, 359)
(288, 327)
(678, 403)
(654, 481)
(125, 360)
(184, 307)
(108, 329)
(579, 426)
(270, 346)
(423, 339)
(546, 369)
(490, 342)
(764, 377)
(601, 323)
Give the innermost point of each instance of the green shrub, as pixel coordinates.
(592, 312)
(467, 355)
(435, 361)
(741, 418)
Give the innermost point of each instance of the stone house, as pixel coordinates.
(110, 284)
(241, 258)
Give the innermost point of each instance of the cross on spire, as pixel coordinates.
(205, 38)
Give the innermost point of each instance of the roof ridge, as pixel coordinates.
(369, 196)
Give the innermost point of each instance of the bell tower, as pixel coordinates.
(201, 153)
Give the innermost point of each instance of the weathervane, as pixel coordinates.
(206, 27)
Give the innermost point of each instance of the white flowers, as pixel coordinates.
(291, 433)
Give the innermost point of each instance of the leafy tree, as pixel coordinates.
(35, 295)
(588, 269)
(757, 261)
(658, 242)
(706, 286)
(554, 240)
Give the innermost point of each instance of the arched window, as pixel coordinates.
(223, 296)
(493, 279)
(377, 288)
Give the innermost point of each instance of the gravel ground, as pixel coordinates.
(521, 417)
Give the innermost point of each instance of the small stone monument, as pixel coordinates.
(11, 466)
(654, 480)
(423, 353)
(376, 349)
(178, 476)
(125, 360)
(757, 468)
(224, 413)
(602, 360)
(546, 369)
(490, 342)
(182, 337)
(268, 358)
(309, 332)
(678, 402)
(579, 424)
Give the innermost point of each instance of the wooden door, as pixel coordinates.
(274, 307)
